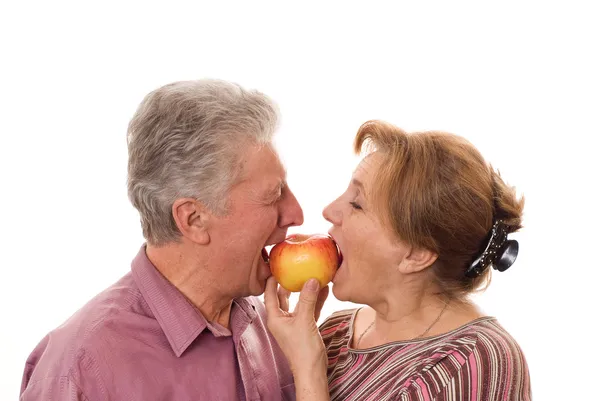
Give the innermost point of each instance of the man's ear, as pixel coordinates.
(416, 260)
(191, 218)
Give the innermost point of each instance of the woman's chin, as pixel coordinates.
(339, 293)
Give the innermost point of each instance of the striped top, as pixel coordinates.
(477, 361)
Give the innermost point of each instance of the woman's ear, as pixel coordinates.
(416, 260)
(192, 218)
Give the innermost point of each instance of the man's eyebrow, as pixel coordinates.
(276, 190)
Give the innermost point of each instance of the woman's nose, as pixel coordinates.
(332, 214)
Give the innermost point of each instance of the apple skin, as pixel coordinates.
(301, 257)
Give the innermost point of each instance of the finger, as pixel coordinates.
(305, 308)
(271, 300)
(284, 299)
(321, 301)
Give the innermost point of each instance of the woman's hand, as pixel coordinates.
(296, 332)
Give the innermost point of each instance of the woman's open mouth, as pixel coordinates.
(339, 251)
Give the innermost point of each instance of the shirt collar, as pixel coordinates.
(181, 321)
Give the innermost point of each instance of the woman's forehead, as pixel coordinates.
(367, 167)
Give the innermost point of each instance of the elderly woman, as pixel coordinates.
(421, 226)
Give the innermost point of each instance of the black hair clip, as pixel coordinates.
(499, 252)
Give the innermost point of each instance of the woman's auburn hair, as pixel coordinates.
(435, 190)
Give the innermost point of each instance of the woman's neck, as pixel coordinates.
(417, 314)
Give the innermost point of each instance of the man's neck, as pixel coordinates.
(192, 280)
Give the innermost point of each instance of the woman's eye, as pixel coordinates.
(355, 205)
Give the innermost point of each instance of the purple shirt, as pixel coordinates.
(141, 339)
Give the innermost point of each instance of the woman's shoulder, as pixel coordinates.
(491, 350)
(338, 321)
(495, 362)
(338, 317)
(494, 341)
(483, 334)
(479, 357)
(489, 332)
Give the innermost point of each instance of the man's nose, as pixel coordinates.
(292, 214)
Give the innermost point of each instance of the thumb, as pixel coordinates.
(270, 298)
(308, 299)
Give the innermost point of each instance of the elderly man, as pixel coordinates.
(183, 324)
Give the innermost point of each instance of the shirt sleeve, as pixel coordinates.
(61, 388)
(79, 381)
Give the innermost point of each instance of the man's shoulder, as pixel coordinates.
(115, 305)
(104, 317)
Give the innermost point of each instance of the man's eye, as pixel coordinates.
(355, 205)
(275, 199)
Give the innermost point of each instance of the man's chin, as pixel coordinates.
(258, 288)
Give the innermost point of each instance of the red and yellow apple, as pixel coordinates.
(302, 257)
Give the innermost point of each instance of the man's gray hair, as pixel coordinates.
(185, 140)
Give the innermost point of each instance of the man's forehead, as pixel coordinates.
(277, 179)
(264, 172)
(259, 160)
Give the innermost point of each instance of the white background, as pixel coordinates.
(520, 80)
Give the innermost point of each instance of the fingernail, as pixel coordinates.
(312, 285)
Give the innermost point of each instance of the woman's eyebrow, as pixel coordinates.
(358, 184)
